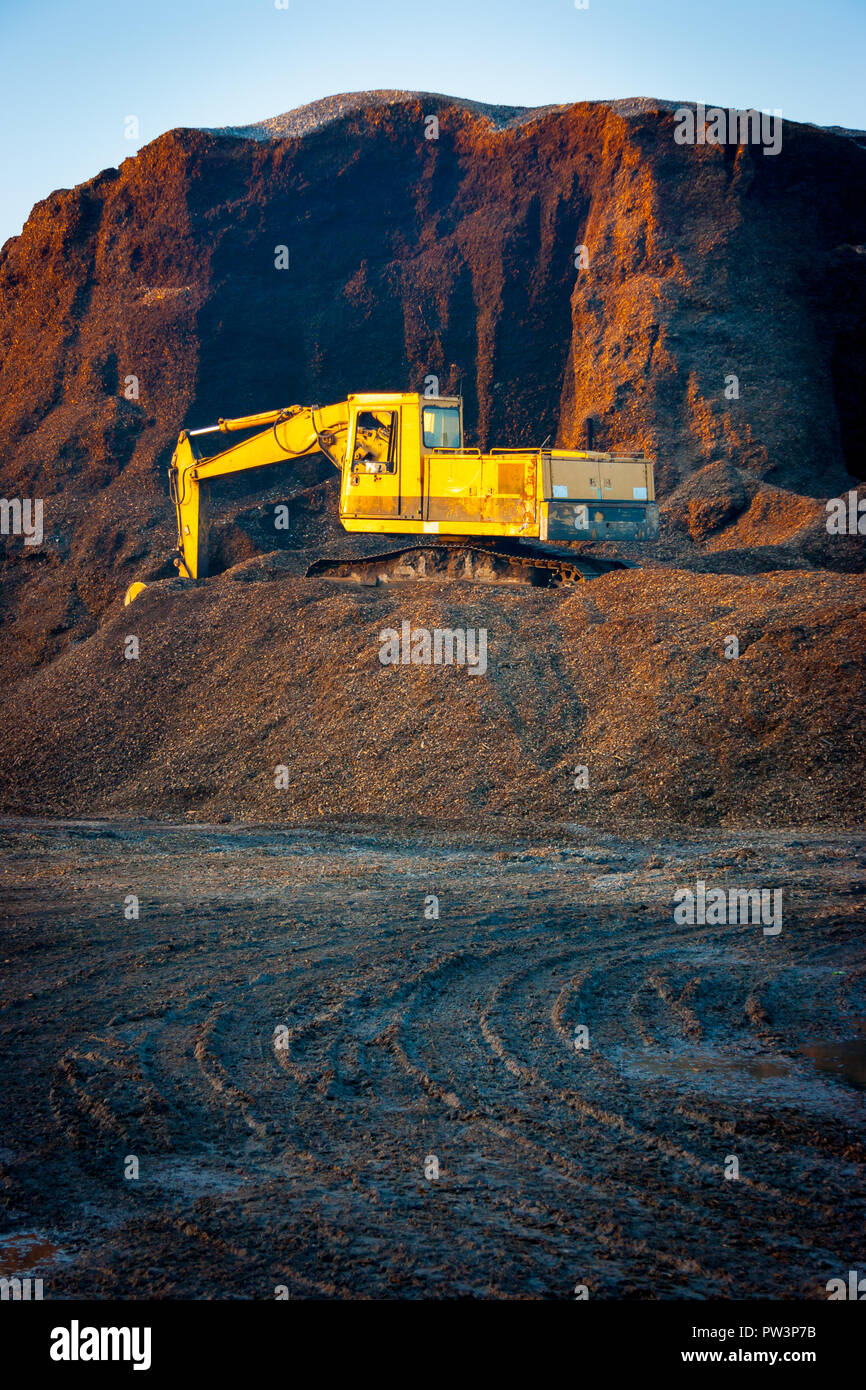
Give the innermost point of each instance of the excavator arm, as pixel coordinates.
(281, 436)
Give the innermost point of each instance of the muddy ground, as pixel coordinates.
(302, 1160)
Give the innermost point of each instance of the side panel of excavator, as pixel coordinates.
(399, 479)
(489, 491)
(593, 496)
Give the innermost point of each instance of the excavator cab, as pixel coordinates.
(390, 440)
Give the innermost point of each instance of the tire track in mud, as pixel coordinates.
(602, 1192)
(451, 1099)
(535, 1151)
(691, 1027)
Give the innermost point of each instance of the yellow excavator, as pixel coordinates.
(405, 472)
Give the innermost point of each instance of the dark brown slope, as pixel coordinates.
(625, 675)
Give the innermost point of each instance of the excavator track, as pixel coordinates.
(517, 562)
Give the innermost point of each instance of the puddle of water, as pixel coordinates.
(24, 1252)
(844, 1060)
(609, 881)
(193, 1179)
(756, 1068)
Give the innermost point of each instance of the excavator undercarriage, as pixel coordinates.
(478, 562)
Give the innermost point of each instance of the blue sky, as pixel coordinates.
(75, 69)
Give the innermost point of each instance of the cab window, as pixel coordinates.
(441, 424)
(375, 441)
